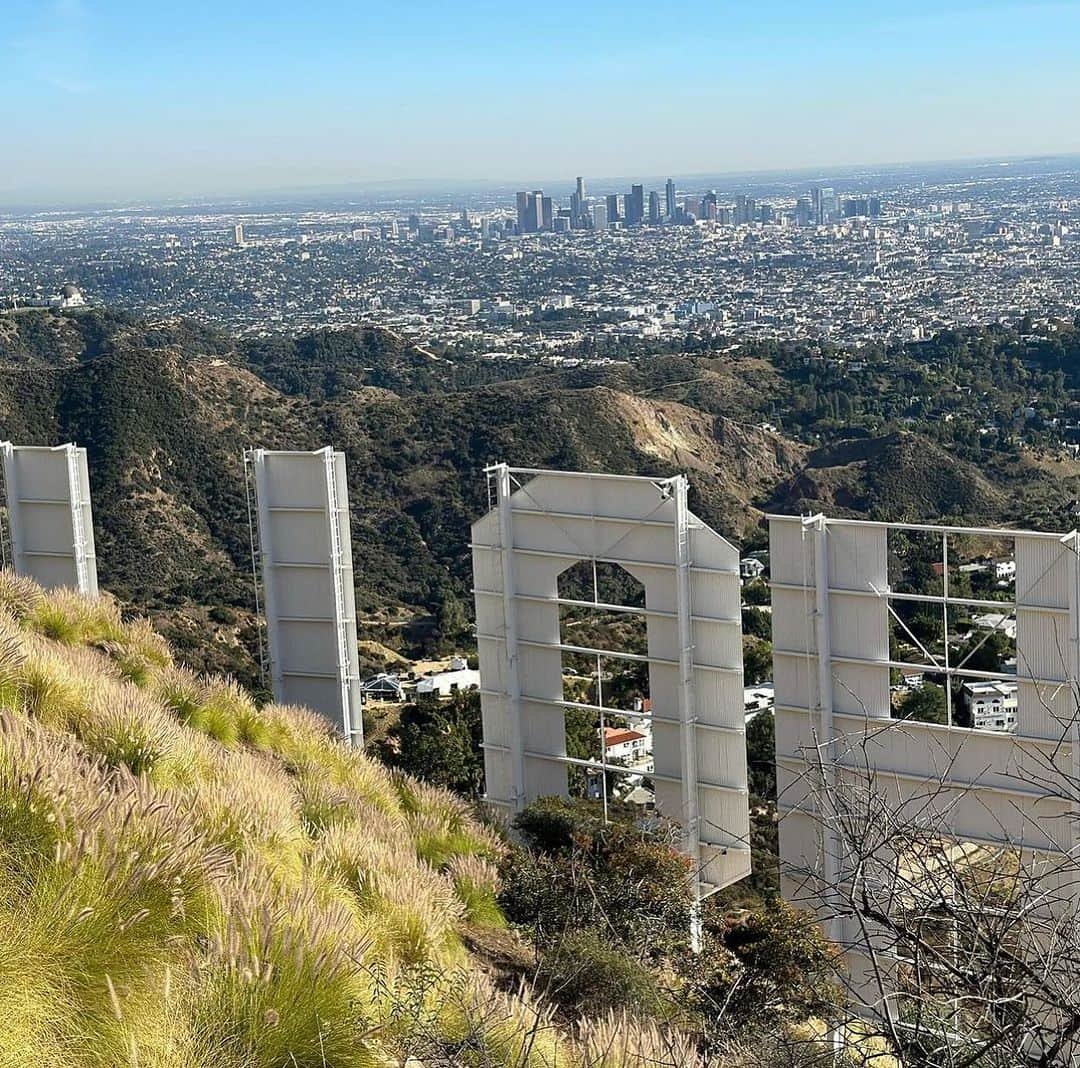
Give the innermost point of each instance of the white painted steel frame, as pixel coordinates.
(49, 515)
(832, 687)
(540, 524)
(308, 595)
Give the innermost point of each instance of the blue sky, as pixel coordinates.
(117, 99)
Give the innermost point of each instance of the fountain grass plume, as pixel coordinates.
(189, 878)
(476, 884)
(19, 596)
(285, 985)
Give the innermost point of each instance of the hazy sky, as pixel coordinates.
(117, 99)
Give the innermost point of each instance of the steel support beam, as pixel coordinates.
(503, 493)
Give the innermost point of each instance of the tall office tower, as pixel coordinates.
(547, 212)
(635, 206)
(654, 206)
(708, 206)
(767, 214)
(612, 207)
(875, 207)
(669, 199)
(577, 205)
(724, 216)
(828, 204)
(531, 211)
(745, 209)
(600, 216)
(414, 220)
(815, 204)
(804, 211)
(692, 207)
(238, 235)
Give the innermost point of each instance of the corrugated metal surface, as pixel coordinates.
(556, 520)
(981, 786)
(49, 515)
(307, 580)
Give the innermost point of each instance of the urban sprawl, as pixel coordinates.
(568, 278)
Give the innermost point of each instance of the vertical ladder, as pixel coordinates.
(337, 568)
(78, 532)
(503, 494)
(687, 704)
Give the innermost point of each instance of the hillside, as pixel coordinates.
(899, 476)
(188, 879)
(167, 409)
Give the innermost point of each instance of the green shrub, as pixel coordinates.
(590, 973)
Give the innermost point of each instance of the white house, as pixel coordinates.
(758, 699)
(992, 704)
(751, 568)
(444, 683)
(911, 677)
(1004, 570)
(624, 745)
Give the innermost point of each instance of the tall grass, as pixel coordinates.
(282, 986)
(189, 879)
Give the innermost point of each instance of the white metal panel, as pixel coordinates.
(978, 785)
(791, 552)
(861, 689)
(552, 520)
(794, 678)
(49, 515)
(308, 587)
(857, 558)
(857, 627)
(1043, 571)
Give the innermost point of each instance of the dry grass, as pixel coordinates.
(186, 878)
(189, 879)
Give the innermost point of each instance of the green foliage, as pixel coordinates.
(761, 755)
(925, 704)
(756, 592)
(757, 623)
(168, 901)
(451, 622)
(986, 652)
(439, 741)
(757, 661)
(578, 873)
(760, 969)
(588, 973)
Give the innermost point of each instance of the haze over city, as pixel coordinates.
(109, 100)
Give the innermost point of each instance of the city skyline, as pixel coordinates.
(108, 102)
